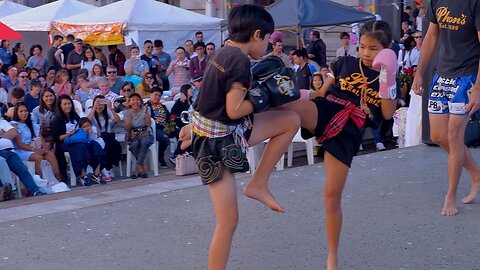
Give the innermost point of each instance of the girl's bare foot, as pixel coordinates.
(331, 263)
(264, 196)
(473, 191)
(449, 207)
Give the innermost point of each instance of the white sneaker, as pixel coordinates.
(112, 175)
(360, 148)
(380, 146)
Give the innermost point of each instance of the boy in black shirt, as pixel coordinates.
(455, 91)
(222, 127)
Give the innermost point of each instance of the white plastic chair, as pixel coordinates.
(78, 108)
(308, 147)
(255, 152)
(73, 178)
(88, 104)
(169, 105)
(153, 150)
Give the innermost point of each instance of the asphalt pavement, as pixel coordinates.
(391, 207)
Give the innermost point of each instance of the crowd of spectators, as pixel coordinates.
(75, 99)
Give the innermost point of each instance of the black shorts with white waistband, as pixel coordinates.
(345, 145)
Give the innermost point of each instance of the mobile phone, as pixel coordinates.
(103, 101)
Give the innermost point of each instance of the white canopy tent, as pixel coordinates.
(34, 23)
(8, 8)
(39, 18)
(150, 19)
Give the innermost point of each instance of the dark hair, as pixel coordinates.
(84, 120)
(85, 54)
(42, 107)
(35, 46)
(344, 34)
(2, 43)
(379, 30)
(244, 20)
(324, 66)
(316, 34)
(180, 48)
(28, 121)
(18, 93)
(57, 37)
(188, 40)
(184, 89)
(138, 96)
(111, 47)
(70, 37)
(134, 47)
(147, 41)
(198, 33)
(313, 76)
(158, 43)
(199, 44)
(32, 69)
(72, 116)
(157, 89)
(407, 43)
(104, 114)
(127, 83)
(408, 8)
(301, 53)
(210, 43)
(51, 68)
(16, 47)
(274, 43)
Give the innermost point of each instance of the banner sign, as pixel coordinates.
(92, 34)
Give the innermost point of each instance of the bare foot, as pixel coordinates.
(473, 192)
(264, 196)
(449, 208)
(331, 263)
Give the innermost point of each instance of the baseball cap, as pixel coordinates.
(196, 78)
(78, 40)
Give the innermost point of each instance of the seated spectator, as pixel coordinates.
(179, 69)
(164, 127)
(50, 77)
(23, 81)
(100, 56)
(103, 118)
(62, 84)
(144, 88)
(96, 74)
(84, 91)
(324, 71)
(104, 90)
(121, 103)
(137, 124)
(210, 49)
(33, 73)
(7, 110)
(197, 82)
(46, 109)
(15, 164)
(28, 145)
(182, 104)
(347, 49)
(32, 99)
(114, 81)
(317, 82)
(65, 124)
(165, 59)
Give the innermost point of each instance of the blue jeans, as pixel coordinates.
(5, 175)
(163, 143)
(17, 167)
(139, 148)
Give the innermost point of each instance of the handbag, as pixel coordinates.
(185, 164)
(80, 136)
(136, 134)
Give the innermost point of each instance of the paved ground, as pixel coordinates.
(391, 207)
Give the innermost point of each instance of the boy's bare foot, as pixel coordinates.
(331, 263)
(449, 208)
(264, 196)
(473, 191)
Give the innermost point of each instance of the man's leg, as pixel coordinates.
(5, 175)
(17, 167)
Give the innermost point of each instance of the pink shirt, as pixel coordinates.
(181, 74)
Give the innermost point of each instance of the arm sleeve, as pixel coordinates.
(237, 71)
(69, 58)
(431, 12)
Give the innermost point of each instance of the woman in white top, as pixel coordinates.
(89, 60)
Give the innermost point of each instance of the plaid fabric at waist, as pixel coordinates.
(206, 127)
(339, 120)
